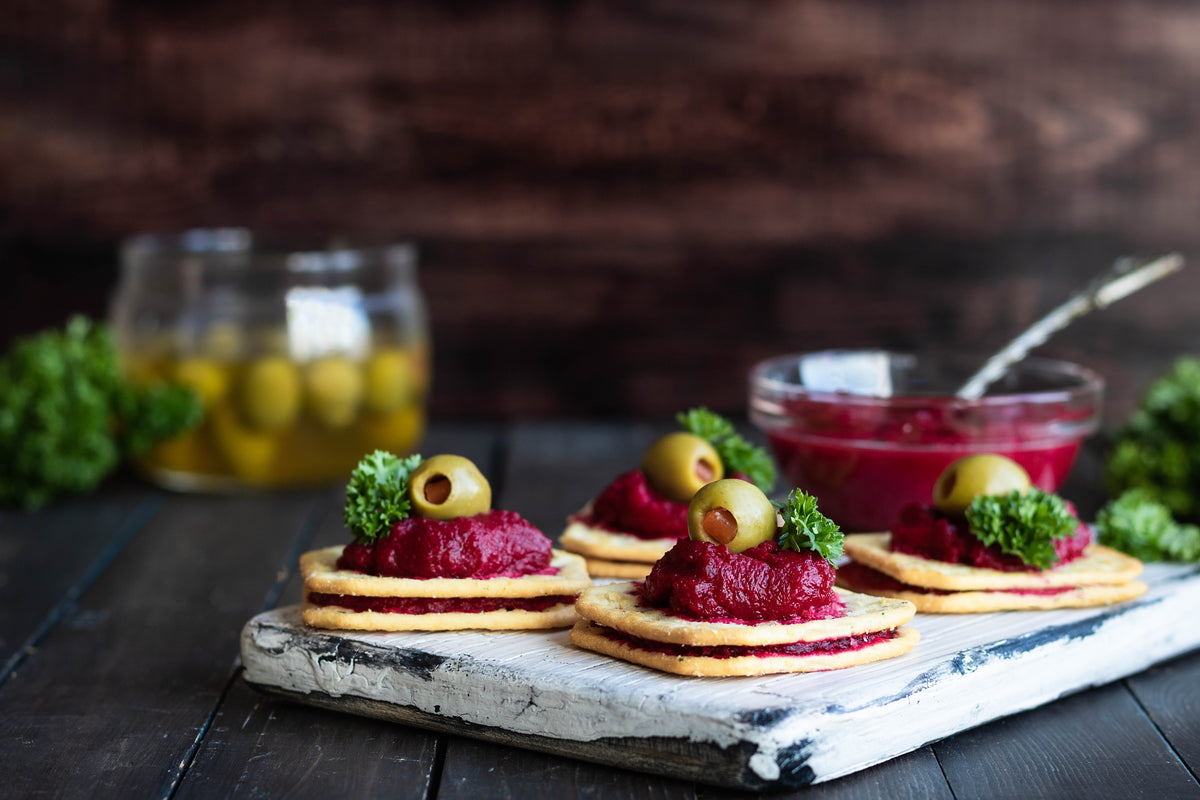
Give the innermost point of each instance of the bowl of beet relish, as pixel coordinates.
(869, 431)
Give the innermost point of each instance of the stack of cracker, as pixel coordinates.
(617, 625)
(1099, 577)
(345, 599)
(613, 554)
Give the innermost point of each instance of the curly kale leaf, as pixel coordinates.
(67, 417)
(1158, 449)
(377, 495)
(737, 454)
(1024, 525)
(806, 528)
(1139, 525)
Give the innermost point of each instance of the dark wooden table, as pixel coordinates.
(119, 639)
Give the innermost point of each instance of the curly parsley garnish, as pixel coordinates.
(377, 495)
(1141, 526)
(806, 528)
(737, 454)
(1024, 525)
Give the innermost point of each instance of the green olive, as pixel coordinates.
(269, 394)
(984, 473)
(334, 388)
(678, 464)
(446, 486)
(389, 380)
(732, 512)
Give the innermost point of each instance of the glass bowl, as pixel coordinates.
(305, 358)
(869, 431)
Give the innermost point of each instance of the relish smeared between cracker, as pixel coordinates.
(430, 554)
(1013, 550)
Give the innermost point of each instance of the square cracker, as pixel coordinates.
(336, 617)
(1097, 565)
(599, 543)
(319, 568)
(977, 602)
(599, 568)
(590, 636)
(615, 605)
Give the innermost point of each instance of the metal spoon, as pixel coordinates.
(1123, 278)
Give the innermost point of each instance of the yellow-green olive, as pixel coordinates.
(205, 377)
(732, 512)
(447, 486)
(269, 394)
(983, 473)
(333, 387)
(389, 380)
(678, 464)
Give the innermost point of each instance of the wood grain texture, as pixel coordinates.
(1122, 755)
(117, 695)
(1170, 695)
(508, 773)
(714, 120)
(622, 206)
(301, 751)
(45, 563)
(913, 776)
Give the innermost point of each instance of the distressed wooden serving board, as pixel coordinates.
(536, 690)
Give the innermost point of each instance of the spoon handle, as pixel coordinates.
(1125, 277)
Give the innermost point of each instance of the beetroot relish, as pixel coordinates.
(489, 545)
(629, 505)
(439, 605)
(922, 531)
(705, 581)
(866, 579)
(763, 651)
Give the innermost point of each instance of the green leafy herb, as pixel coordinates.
(1158, 449)
(806, 528)
(737, 454)
(377, 495)
(67, 417)
(1024, 525)
(1141, 526)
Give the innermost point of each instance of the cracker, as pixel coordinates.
(977, 602)
(319, 568)
(1097, 565)
(612, 546)
(615, 605)
(599, 568)
(589, 636)
(559, 616)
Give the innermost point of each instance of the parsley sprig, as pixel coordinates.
(1143, 527)
(1024, 525)
(806, 528)
(737, 454)
(377, 495)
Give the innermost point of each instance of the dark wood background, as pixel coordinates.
(622, 205)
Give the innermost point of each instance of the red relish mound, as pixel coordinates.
(629, 505)
(924, 532)
(488, 545)
(706, 581)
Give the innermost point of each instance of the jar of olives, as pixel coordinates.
(305, 359)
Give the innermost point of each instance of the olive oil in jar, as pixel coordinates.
(304, 361)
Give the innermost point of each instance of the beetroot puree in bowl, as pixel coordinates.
(865, 453)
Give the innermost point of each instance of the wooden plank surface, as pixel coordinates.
(47, 560)
(117, 696)
(1095, 744)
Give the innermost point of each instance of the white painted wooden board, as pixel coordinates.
(537, 690)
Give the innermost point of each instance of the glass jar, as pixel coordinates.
(305, 359)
